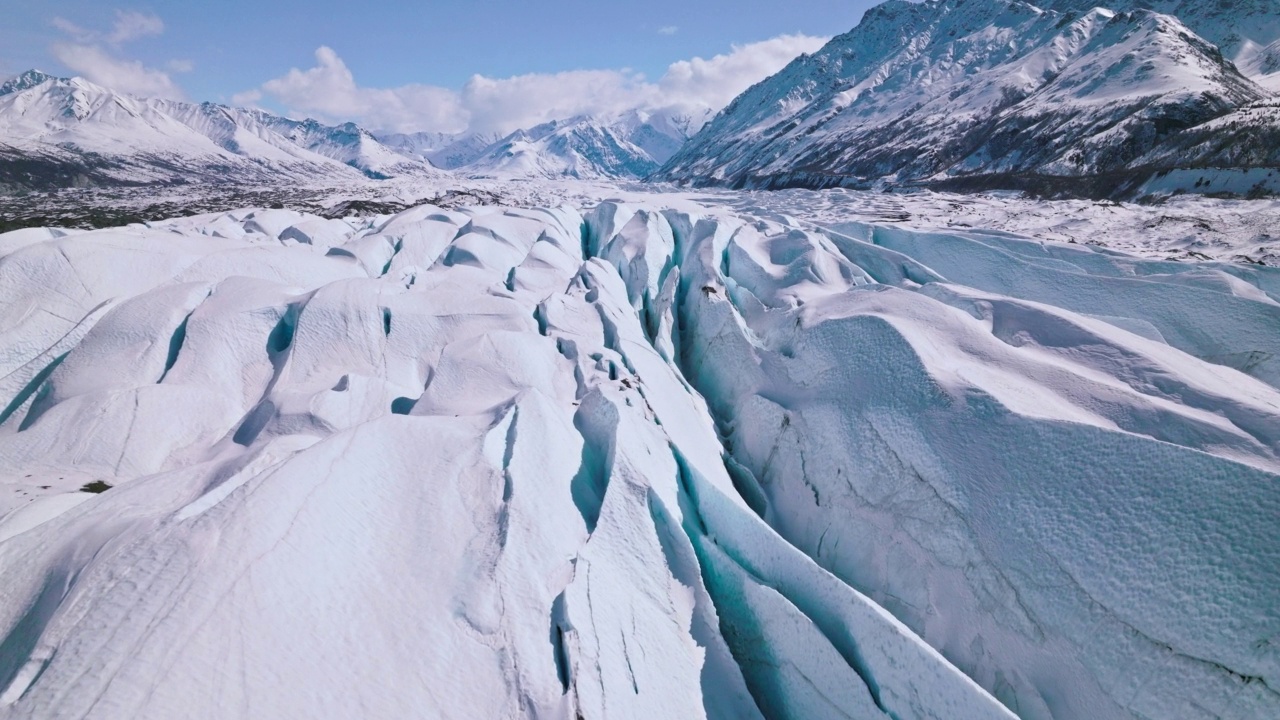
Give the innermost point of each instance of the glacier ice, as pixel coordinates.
(631, 460)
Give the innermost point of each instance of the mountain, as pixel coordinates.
(347, 143)
(1247, 31)
(25, 81)
(958, 94)
(631, 145)
(59, 132)
(443, 150)
(56, 132)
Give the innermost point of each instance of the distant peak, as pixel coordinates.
(25, 81)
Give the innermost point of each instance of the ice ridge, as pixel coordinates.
(631, 461)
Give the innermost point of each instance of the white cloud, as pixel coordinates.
(329, 92)
(714, 83)
(668, 30)
(525, 100)
(73, 30)
(127, 76)
(248, 98)
(132, 25)
(128, 26)
(85, 55)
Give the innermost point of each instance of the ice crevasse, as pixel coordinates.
(631, 463)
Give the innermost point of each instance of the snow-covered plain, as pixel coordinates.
(681, 456)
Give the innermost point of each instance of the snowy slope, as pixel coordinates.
(1187, 228)
(59, 133)
(617, 462)
(443, 150)
(631, 146)
(982, 94)
(1239, 27)
(347, 143)
(628, 145)
(51, 127)
(25, 81)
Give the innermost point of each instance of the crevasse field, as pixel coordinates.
(657, 459)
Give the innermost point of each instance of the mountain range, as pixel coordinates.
(1006, 94)
(58, 132)
(1059, 97)
(632, 144)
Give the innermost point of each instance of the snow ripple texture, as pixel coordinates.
(632, 463)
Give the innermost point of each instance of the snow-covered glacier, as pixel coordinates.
(631, 460)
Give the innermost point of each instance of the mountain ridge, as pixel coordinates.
(631, 145)
(55, 128)
(982, 96)
(66, 132)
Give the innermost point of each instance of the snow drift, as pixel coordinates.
(631, 462)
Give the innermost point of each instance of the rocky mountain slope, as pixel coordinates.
(631, 146)
(443, 150)
(1245, 30)
(56, 132)
(999, 94)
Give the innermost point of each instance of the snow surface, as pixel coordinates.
(1184, 228)
(666, 457)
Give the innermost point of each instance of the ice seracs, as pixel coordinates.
(628, 460)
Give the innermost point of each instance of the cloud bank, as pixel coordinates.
(96, 55)
(329, 92)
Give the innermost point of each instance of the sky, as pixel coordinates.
(483, 65)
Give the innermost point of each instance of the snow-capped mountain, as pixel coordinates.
(347, 143)
(56, 132)
(999, 94)
(443, 150)
(631, 145)
(1240, 28)
(25, 81)
(59, 131)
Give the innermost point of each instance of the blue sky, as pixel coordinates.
(243, 51)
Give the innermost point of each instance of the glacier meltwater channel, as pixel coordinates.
(627, 462)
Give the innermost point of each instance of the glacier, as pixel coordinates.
(655, 456)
